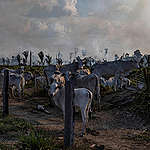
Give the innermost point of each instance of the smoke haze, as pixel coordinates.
(53, 25)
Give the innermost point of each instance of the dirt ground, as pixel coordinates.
(113, 128)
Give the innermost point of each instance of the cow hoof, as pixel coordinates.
(101, 147)
(82, 135)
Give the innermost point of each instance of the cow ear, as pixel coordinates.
(51, 80)
(73, 75)
(63, 74)
(48, 87)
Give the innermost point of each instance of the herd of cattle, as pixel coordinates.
(86, 81)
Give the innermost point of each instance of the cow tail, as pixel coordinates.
(90, 95)
(88, 107)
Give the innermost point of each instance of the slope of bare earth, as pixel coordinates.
(114, 126)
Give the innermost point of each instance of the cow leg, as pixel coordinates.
(83, 113)
(35, 86)
(22, 91)
(88, 109)
(116, 85)
(90, 113)
(19, 90)
(99, 98)
(13, 91)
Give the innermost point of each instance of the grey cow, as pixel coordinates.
(109, 69)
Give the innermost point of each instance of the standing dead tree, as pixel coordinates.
(48, 59)
(25, 53)
(41, 56)
(19, 59)
(3, 60)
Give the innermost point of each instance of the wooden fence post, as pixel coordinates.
(69, 115)
(5, 93)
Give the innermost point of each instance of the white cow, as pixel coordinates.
(15, 81)
(112, 82)
(116, 82)
(40, 82)
(28, 76)
(82, 98)
(125, 82)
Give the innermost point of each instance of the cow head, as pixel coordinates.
(28, 76)
(103, 82)
(57, 81)
(54, 88)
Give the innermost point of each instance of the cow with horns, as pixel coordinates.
(82, 97)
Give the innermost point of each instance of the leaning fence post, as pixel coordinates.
(5, 93)
(69, 116)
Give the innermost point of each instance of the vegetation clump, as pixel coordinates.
(141, 105)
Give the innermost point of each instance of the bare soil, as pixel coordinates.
(112, 127)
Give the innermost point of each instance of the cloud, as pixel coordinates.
(71, 7)
(53, 8)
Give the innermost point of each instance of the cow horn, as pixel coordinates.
(56, 72)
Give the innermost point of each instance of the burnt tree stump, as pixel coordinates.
(69, 113)
(5, 93)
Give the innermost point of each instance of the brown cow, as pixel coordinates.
(90, 82)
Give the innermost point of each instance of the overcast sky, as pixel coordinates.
(120, 25)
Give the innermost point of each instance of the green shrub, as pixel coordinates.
(10, 124)
(6, 147)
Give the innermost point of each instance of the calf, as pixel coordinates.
(40, 82)
(82, 98)
(112, 82)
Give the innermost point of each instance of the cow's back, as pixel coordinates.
(109, 69)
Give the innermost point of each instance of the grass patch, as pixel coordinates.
(27, 137)
(15, 125)
(6, 147)
(38, 140)
(141, 137)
